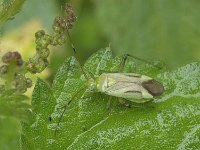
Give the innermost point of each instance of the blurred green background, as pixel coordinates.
(151, 29)
(163, 30)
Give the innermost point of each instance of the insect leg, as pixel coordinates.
(66, 105)
(143, 105)
(124, 102)
(124, 59)
(109, 104)
(106, 71)
(129, 104)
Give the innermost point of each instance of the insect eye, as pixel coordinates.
(153, 87)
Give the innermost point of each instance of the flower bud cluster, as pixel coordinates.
(39, 62)
(13, 74)
(14, 69)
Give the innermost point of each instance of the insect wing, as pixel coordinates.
(125, 85)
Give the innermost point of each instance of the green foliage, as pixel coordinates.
(9, 131)
(13, 105)
(170, 122)
(13, 108)
(8, 8)
(168, 30)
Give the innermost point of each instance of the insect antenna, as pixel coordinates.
(70, 19)
(70, 40)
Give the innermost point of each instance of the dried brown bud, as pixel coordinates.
(59, 23)
(71, 17)
(39, 34)
(28, 82)
(12, 57)
(36, 64)
(3, 69)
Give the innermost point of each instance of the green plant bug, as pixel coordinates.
(130, 86)
(133, 87)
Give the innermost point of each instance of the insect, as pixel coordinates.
(130, 86)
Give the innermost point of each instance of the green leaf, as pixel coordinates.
(169, 122)
(8, 8)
